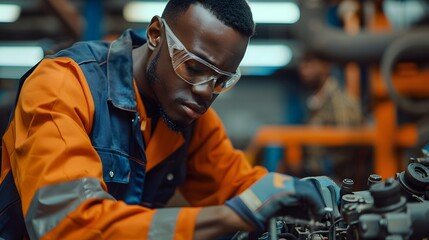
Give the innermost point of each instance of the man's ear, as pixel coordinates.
(153, 33)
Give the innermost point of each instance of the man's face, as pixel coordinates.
(206, 37)
(313, 72)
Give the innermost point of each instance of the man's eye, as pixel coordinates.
(194, 70)
(221, 81)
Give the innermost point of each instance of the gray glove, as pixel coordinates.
(272, 193)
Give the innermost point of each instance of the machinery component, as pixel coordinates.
(346, 187)
(387, 197)
(373, 179)
(385, 211)
(415, 180)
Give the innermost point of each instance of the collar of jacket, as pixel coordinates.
(120, 70)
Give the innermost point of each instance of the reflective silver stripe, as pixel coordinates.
(163, 224)
(52, 203)
(251, 200)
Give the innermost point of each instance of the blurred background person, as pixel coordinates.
(327, 105)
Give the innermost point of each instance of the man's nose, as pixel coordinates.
(205, 90)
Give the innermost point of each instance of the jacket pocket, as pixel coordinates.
(116, 166)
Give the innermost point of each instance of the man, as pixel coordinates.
(103, 134)
(328, 105)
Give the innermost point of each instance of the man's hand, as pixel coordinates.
(272, 193)
(330, 192)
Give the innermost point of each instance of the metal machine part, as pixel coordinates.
(397, 208)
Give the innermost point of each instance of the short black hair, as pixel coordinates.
(233, 13)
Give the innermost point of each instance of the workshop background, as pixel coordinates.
(380, 51)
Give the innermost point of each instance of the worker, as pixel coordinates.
(104, 133)
(328, 104)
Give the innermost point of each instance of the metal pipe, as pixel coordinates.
(339, 46)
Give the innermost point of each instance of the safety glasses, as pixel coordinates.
(194, 70)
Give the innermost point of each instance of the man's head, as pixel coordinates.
(234, 14)
(313, 70)
(195, 49)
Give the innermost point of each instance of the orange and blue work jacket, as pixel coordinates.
(80, 160)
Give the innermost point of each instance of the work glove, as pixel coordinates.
(323, 183)
(272, 193)
(330, 192)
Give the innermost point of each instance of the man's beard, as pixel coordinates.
(173, 125)
(152, 80)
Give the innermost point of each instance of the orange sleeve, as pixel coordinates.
(116, 220)
(48, 140)
(47, 143)
(216, 171)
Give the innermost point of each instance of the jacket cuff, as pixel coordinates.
(186, 222)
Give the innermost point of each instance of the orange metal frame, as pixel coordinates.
(382, 139)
